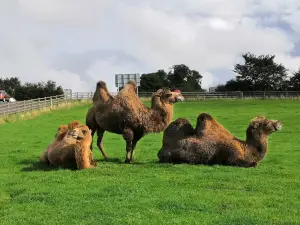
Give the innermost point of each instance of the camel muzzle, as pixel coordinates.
(278, 125)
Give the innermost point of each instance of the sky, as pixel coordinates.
(77, 42)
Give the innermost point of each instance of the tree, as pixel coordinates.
(234, 85)
(261, 73)
(37, 90)
(294, 82)
(183, 78)
(180, 77)
(153, 81)
(10, 85)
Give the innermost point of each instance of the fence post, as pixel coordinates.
(39, 103)
(31, 105)
(24, 104)
(51, 104)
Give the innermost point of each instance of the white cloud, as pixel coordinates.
(207, 35)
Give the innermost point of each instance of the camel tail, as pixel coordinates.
(205, 116)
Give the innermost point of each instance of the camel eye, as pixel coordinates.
(168, 95)
(84, 131)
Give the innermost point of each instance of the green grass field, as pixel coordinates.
(146, 192)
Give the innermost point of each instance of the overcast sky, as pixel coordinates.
(78, 42)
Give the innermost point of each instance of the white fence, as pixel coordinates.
(7, 108)
(29, 105)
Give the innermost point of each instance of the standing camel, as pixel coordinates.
(128, 116)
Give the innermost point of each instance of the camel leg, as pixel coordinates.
(44, 157)
(92, 133)
(128, 137)
(135, 140)
(100, 133)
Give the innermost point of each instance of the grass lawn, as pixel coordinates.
(146, 192)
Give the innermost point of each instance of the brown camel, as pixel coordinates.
(71, 148)
(102, 95)
(220, 148)
(60, 134)
(128, 116)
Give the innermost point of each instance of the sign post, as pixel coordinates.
(122, 79)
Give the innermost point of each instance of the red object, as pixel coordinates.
(3, 95)
(178, 91)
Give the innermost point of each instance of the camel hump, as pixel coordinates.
(101, 84)
(131, 82)
(205, 116)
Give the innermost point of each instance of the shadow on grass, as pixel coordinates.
(110, 160)
(35, 165)
(122, 161)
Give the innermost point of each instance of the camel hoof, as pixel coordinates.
(127, 161)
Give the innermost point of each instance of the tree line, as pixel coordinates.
(28, 91)
(256, 73)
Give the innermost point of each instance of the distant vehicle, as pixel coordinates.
(4, 97)
(12, 99)
(179, 98)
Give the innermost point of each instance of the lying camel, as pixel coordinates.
(223, 149)
(71, 148)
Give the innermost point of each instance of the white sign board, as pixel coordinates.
(122, 79)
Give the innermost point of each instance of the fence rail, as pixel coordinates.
(235, 95)
(29, 105)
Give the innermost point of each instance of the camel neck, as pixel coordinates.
(81, 154)
(159, 119)
(258, 144)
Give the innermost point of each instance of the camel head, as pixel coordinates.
(164, 96)
(73, 124)
(264, 125)
(178, 96)
(81, 132)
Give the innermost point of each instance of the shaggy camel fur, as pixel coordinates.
(60, 134)
(101, 95)
(209, 127)
(71, 148)
(127, 115)
(220, 148)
